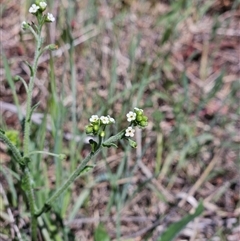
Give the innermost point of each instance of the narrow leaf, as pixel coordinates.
(100, 233)
(132, 143)
(110, 144)
(175, 228)
(93, 145)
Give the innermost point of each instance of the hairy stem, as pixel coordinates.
(31, 201)
(26, 139)
(75, 174)
(27, 123)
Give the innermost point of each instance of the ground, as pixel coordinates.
(180, 62)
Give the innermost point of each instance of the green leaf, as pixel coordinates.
(24, 183)
(93, 145)
(167, 34)
(32, 109)
(30, 68)
(100, 233)
(110, 144)
(175, 228)
(132, 143)
(13, 136)
(216, 88)
(2, 131)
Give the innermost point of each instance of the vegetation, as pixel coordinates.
(176, 179)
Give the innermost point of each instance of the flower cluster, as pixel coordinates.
(136, 118)
(98, 123)
(39, 7)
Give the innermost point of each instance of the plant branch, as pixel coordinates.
(27, 123)
(27, 175)
(47, 206)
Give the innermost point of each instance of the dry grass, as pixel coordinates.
(193, 148)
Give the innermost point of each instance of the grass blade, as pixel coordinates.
(175, 228)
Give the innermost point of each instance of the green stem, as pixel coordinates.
(31, 201)
(68, 182)
(46, 207)
(26, 139)
(27, 178)
(29, 98)
(60, 156)
(23, 81)
(74, 104)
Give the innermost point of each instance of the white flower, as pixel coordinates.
(33, 9)
(131, 116)
(94, 118)
(138, 109)
(130, 132)
(104, 119)
(43, 5)
(111, 120)
(50, 17)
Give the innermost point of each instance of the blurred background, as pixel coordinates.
(177, 60)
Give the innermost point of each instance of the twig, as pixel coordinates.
(202, 178)
(149, 175)
(79, 221)
(143, 230)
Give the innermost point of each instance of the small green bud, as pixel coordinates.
(95, 127)
(143, 123)
(139, 118)
(52, 47)
(89, 129)
(132, 143)
(62, 156)
(145, 118)
(102, 134)
(139, 112)
(25, 25)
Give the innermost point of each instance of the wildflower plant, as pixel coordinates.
(96, 127)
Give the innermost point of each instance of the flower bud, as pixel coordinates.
(89, 129)
(102, 134)
(50, 18)
(96, 127)
(138, 112)
(25, 25)
(62, 156)
(42, 5)
(143, 123)
(33, 9)
(52, 47)
(139, 118)
(144, 118)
